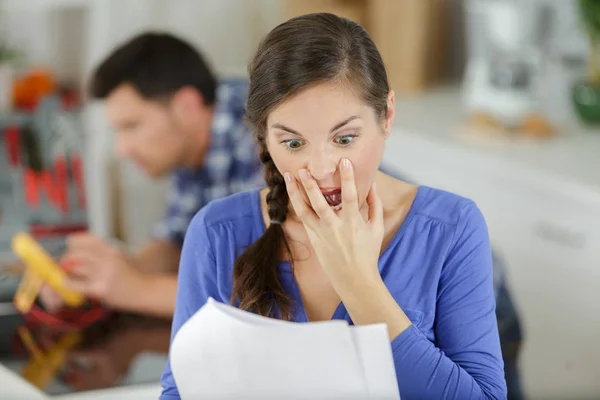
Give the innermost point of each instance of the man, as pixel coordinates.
(170, 116)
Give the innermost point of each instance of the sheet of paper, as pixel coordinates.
(222, 352)
(374, 351)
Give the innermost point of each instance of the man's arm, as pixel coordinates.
(158, 260)
(158, 256)
(155, 295)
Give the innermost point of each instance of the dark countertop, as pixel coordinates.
(120, 351)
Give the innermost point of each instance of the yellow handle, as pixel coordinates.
(35, 257)
(41, 371)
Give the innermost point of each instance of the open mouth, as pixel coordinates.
(334, 198)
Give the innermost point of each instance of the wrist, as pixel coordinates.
(370, 302)
(137, 288)
(142, 291)
(154, 294)
(359, 285)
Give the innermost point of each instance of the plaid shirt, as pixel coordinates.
(231, 165)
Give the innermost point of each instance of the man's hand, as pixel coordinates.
(101, 271)
(50, 299)
(145, 284)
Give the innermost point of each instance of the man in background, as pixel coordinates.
(171, 116)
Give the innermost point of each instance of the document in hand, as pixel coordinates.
(222, 352)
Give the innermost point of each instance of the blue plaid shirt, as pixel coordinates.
(231, 165)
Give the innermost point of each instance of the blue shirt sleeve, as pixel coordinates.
(196, 282)
(467, 362)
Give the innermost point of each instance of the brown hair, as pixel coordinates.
(300, 53)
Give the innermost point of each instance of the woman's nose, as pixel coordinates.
(321, 165)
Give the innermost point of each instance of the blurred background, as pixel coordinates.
(497, 100)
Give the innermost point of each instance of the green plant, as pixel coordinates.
(7, 53)
(589, 11)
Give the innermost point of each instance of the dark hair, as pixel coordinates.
(157, 65)
(298, 54)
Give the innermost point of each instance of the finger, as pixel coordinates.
(81, 272)
(303, 210)
(80, 285)
(86, 241)
(72, 258)
(315, 196)
(375, 206)
(67, 263)
(349, 193)
(50, 299)
(80, 264)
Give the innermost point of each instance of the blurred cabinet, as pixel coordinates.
(544, 224)
(408, 33)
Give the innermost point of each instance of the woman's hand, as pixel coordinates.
(346, 244)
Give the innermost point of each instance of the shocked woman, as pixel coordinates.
(332, 237)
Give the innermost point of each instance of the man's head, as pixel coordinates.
(159, 95)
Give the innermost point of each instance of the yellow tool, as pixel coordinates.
(40, 268)
(27, 291)
(44, 366)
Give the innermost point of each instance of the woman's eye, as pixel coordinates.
(293, 144)
(345, 140)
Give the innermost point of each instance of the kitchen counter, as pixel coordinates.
(122, 357)
(572, 157)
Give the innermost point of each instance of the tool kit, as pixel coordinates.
(42, 185)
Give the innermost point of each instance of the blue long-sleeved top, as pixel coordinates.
(438, 267)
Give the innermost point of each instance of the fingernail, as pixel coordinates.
(303, 174)
(345, 163)
(288, 177)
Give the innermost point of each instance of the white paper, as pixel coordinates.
(222, 352)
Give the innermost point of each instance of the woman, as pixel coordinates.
(332, 237)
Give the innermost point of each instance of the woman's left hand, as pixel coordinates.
(346, 245)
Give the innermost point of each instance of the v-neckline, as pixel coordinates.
(340, 312)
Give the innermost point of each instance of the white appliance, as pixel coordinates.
(504, 60)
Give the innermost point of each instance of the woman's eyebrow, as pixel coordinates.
(344, 122)
(284, 128)
(337, 126)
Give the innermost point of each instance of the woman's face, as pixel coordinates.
(319, 127)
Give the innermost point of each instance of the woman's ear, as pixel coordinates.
(391, 112)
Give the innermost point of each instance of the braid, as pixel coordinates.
(296, 55)
(257, 284)
(277, 198)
